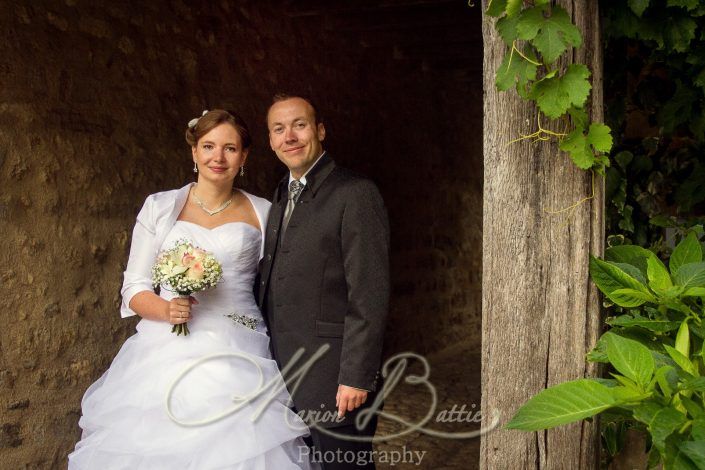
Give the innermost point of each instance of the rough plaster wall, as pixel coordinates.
(93, 102)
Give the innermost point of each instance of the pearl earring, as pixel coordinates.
(195, 167)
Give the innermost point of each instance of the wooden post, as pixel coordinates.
(540, 312)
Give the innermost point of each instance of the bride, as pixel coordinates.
(187, 402)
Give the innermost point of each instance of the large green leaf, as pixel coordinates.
(556, 94)
(628, 254)
(690, 275)
(515, 71)
(551, 35)
(633, 271)
(631, 358)
(630, 297)
(695, 450)
(664, 423)
(687, 251)
(683, 339)
(608, 277)
(682, 361)
(657, 326)
(694, 292)
(659, 278)
(562, 404)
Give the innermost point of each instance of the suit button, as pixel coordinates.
(275, 230)
(261, 283)
(269, 257)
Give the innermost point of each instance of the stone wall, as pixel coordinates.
(94, 97)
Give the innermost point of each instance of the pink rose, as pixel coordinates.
(196, 271)
(187, 259)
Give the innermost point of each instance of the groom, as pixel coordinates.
(325, 281)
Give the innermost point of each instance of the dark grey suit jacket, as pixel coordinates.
(327, 281)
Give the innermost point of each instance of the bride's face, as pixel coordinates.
(219, 154)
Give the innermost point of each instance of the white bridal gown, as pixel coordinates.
(125, 420)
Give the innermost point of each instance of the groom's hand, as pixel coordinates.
(349, 398)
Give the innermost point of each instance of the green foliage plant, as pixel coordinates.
(654, 349)
(537, 34)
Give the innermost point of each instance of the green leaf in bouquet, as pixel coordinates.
(695, 450)
(608, 277)
(690, 275)
(657, 326)
(638, 6)
(630, 297)
(659, 278)
(630, 358)
(561, 404)
(687, 251)
(682, 361)
(551, 35)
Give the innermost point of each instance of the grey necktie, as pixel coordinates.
(295, 188)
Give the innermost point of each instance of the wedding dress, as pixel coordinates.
(167, 401)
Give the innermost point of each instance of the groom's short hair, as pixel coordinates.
(286, 96)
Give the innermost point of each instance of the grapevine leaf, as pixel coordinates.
(515, 71)
(689, 4)
(513, 7)
(599, 137)
(638, 6)
(496, 8)
(507, 28)
(678, 32)
(577, 146)
(677, 109)
(579, 117)
(556, 95)
(550, 35)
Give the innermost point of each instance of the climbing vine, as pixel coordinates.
(537, 35)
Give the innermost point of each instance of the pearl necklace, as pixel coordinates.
(221, 208)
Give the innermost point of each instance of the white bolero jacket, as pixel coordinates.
(154, 221)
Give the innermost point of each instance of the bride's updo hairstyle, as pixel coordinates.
(213, 119)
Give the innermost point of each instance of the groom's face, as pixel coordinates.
(294, 134)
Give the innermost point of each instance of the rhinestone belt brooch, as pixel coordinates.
(243, 320)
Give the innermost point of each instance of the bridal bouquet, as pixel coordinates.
(186, 269)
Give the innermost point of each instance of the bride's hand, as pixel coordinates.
(180, 309)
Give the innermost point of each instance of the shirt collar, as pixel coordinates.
(303, 177)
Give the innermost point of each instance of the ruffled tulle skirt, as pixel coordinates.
(175, 402)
